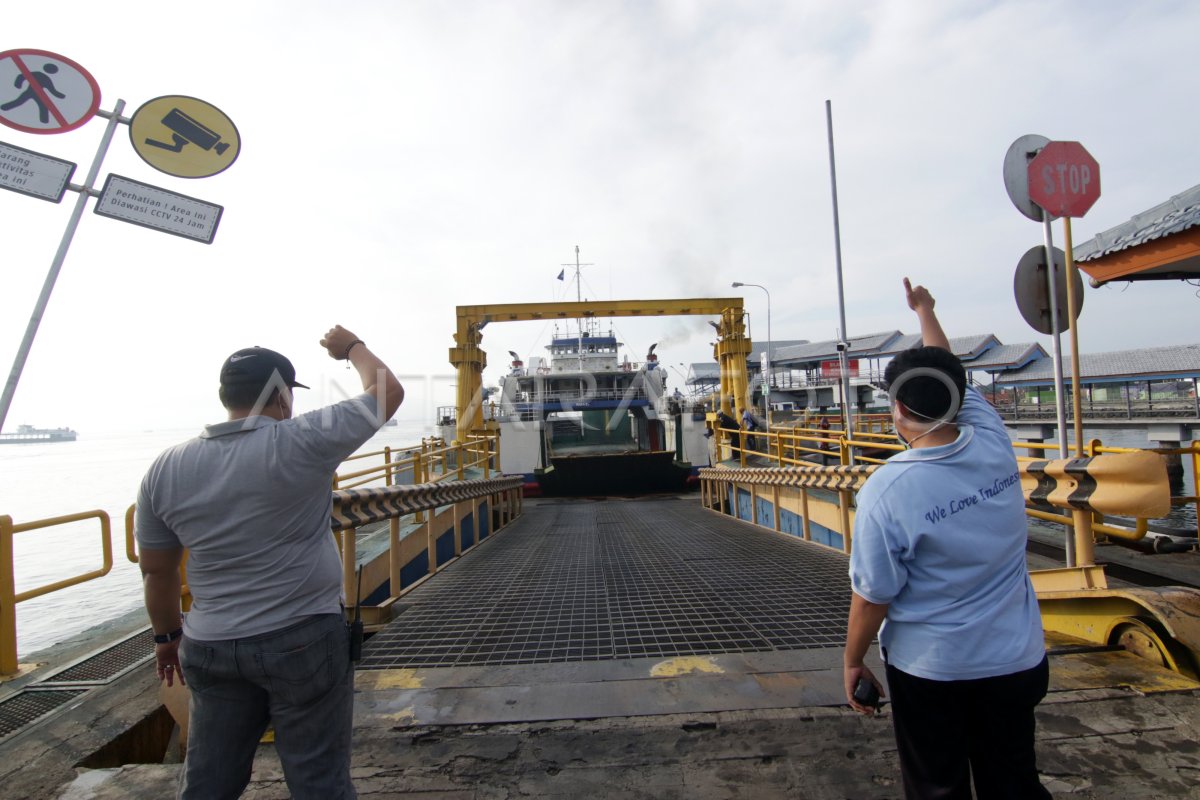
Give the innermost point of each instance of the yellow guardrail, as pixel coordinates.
(797, 446)
(432, 461)
(357, 507)
(9, 596)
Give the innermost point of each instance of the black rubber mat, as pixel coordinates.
(593, 580)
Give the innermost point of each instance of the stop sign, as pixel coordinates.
(1064, 179)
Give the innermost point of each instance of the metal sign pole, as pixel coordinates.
(1073, 326)
(39, 309)
(843, 363)
(1056, 333)
(1084, 539)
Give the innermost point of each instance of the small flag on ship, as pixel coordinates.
(561, 273)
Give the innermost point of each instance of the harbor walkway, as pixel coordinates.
(653, 649)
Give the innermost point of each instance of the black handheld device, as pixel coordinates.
(865, 693)
(356, 627)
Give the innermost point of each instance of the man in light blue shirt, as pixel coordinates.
(938, 561)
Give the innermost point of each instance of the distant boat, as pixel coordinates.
(27, 434)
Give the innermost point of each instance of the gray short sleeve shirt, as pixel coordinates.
(251, 501)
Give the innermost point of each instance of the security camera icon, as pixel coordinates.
(185, 130)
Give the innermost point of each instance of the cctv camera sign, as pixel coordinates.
(152, 207)
(184, 137)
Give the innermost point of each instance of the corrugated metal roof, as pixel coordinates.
(1176, 215)
(968, 347)
(1006, 356)
(704, 372)
(708, 371)
(1181, 361)
(867, 344)
(906, 341)
(962, 346)
(755, 356)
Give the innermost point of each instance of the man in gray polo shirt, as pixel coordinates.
(265, 639)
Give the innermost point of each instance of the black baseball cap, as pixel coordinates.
(256, 366)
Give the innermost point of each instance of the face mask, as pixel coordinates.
(908, 444)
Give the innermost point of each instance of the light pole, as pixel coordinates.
(766, 365)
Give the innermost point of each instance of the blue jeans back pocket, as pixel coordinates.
(303, 674)
(196, 660)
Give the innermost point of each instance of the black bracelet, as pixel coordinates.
(167, 638)
(350, 347)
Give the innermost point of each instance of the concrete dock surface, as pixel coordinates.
(1108, 743)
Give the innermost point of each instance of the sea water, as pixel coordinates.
(95, 472)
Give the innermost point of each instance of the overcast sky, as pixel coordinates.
(402, 158)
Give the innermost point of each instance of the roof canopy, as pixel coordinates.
(1148, 364)
(1162, 243)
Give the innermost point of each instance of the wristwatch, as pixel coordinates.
(167, 638)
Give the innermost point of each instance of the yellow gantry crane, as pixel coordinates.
(731, 349)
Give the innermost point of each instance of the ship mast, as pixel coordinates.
(578, 299)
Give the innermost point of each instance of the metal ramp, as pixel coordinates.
(575, 581)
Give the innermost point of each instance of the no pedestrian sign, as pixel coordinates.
(43, 92)
(34, 174)
(152, 207)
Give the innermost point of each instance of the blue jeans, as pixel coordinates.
(299, 677)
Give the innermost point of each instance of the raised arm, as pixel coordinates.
(921, 301)
(374, 374)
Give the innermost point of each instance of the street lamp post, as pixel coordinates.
(766, 366)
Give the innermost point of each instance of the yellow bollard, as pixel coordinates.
(8, 603)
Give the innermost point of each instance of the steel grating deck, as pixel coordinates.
(38, 699)
(20, 710)
(109, 663)
(590, 581)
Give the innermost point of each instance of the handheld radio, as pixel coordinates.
(356, 627)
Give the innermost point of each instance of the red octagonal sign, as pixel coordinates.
(1064, 179)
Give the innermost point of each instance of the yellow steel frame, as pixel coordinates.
(469, 359)
(9, 596)
(1169, 617)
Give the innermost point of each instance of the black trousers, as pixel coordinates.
(950, 731)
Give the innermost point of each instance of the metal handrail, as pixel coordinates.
(786, 448)
(352, 509)
(9, 596)
(480, 450)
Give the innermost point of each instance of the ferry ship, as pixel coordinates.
(586, 422)
(27, 434)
